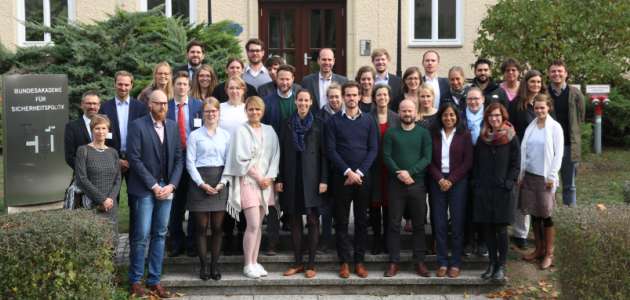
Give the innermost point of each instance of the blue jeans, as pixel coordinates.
(327, 222)
(150, 216)
(568, 173)
(453, 201)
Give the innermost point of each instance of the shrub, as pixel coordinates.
(625, 192)
(131, 41)
(593, 251)
(55, 255)
(587, 138)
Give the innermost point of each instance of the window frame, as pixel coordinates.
(21, 17)
(458, 41)
(192, 4)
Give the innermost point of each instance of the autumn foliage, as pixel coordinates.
(593, 251)
(55, 255)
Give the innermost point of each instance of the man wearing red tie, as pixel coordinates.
(186, 112)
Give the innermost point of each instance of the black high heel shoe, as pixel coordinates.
(214, 273)
(203, 272)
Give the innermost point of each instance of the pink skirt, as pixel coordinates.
(250, 198)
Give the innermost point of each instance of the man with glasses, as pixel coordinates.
(492, 92)
(155, 156)
(255, 73)
(186, 112)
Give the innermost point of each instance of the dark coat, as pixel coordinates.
(314, 164)
(448, 97)
(311, 82)
(221, 95)
(77, 135)
(137, 109)
(460, 157)
(493, 93)
(393, 120)
(194, 112)
(520, 118)
(495, 171)
(395, 83)
(271, 116)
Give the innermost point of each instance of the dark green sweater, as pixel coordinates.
(407, 150)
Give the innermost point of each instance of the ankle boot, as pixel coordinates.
(499, 272)
(203, 272)
(490, 270)
(539, 252)
(548, 260)
(239, 244)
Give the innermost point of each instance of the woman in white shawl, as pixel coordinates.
(251, 168)
(538, 178)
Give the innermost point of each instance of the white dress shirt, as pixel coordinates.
(87, 125)
(446, 150)
(324, 84)
(122, 110)
(435, 83)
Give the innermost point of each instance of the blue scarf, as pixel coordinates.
(474, 122)
(300, 127)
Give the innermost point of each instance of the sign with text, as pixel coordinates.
(598, 88)
(34, 115)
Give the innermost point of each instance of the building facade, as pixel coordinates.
(295, 30)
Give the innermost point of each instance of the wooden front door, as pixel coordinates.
(296, 31)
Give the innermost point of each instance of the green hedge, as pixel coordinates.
(55, 255)
(587, 138)
(593, 251)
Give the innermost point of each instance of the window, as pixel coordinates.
(47, 12)
(436, 23)
(182, 8)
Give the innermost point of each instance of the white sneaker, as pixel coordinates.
(261, 270)
(251, 271)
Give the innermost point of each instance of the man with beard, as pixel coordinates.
(380, 60)
(406, 154)
(255, 73)
(155, 156)
(195, 55)
(78, 132)
(272, 64)
(319, 82)
(492, 92)
(352, 146)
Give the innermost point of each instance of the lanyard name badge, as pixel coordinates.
(197, 121)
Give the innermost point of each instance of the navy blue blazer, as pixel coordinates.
(143, 148)
(137, 109)
(271, 116)
(194, 111)
(442, 82)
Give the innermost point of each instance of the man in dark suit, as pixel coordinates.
(195, 55)
(78, 132)
(155, 156)
(122, 110)
(380, 60)
(431, 63)
(272, 64)
(186, 112)
(319, 82)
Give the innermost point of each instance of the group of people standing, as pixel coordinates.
(260, 145)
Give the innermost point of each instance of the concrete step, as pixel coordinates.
(328, 282)
(328, 261)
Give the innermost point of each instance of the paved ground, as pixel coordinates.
(332, 297)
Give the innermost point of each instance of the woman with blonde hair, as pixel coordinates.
(204, 83)
(162, 74)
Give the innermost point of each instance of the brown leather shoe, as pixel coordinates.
(421, 270)
(392, 271)
(272, 248)
(454, 272)
(136, 289)
(344, 271)
(360, 270)
(293, 271)
(441, 272)
(158, 291)
(309, 273)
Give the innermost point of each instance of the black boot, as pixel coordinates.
(239, 244)
(491, 268)
(214, 273)
(203, 273)
(499, 272)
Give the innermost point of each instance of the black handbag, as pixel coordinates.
(75, 202)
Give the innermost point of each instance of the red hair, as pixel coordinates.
(491, 108)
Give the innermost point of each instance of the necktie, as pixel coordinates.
(182, 125)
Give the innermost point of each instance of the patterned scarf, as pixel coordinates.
(300, 127)
(462, 92)
(499, 138)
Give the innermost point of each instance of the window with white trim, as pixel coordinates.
(182, 8)
(47, 12)
(436, 23)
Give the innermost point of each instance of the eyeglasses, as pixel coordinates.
(160, 104)
(91, 103)
(163, 74)
(511, 70)
(211, 112)
(494, 116)
(254, 51)
(412, 78)
(474, 99)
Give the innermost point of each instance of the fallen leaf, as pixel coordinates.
(513, 247)
(303, 296)
(466, 295)
(327, 294)
(549, 285)
(410, 293)
(601, 207)
(180, 294)
(554, 294)
(531, 288)
(397, 294)
(542, 282)
(228, 295)
(370, 294)
(489, 296)
(545, 290)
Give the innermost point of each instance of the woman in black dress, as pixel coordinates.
(302, 180)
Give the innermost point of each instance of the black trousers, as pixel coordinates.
(344, 196)
(413, 197)
(472, 229)
(498, 240)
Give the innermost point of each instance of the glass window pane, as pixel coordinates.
(180, 8)
(153, 3)
(330, 28)
(422, 19)
(34, 12)
(288, 28)
(274, 28)
(58, 13)
(289, 57)
(447, 21)
(315, 17)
